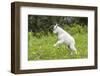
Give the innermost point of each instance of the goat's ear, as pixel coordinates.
(56, 26)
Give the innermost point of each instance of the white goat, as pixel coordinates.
(64, 37)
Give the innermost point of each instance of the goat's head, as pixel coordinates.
(55, 29)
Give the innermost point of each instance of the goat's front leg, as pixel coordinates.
(58, 42)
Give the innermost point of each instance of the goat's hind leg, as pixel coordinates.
(72, 47)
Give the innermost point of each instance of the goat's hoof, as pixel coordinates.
(71, 53)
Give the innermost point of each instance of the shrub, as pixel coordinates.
(75, 28)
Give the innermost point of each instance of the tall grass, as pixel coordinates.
(41, 48)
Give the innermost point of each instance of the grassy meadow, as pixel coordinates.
(40, 47)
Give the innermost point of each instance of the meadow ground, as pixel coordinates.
(42, 48)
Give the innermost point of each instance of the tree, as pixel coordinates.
(42, 23)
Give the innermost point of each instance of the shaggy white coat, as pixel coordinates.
(64, 37)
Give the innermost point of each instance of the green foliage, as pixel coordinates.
(41, 47)
(41, 38)
(75, 28)
(44, 24)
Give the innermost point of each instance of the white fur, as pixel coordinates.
(64, 37)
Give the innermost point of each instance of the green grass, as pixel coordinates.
(42, 48)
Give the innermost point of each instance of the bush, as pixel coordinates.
(75, 28)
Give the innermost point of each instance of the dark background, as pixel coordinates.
(44, 24)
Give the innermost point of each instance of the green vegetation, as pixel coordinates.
(40, 46)
(44, 24)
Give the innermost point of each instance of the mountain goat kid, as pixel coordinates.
(64, 37)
